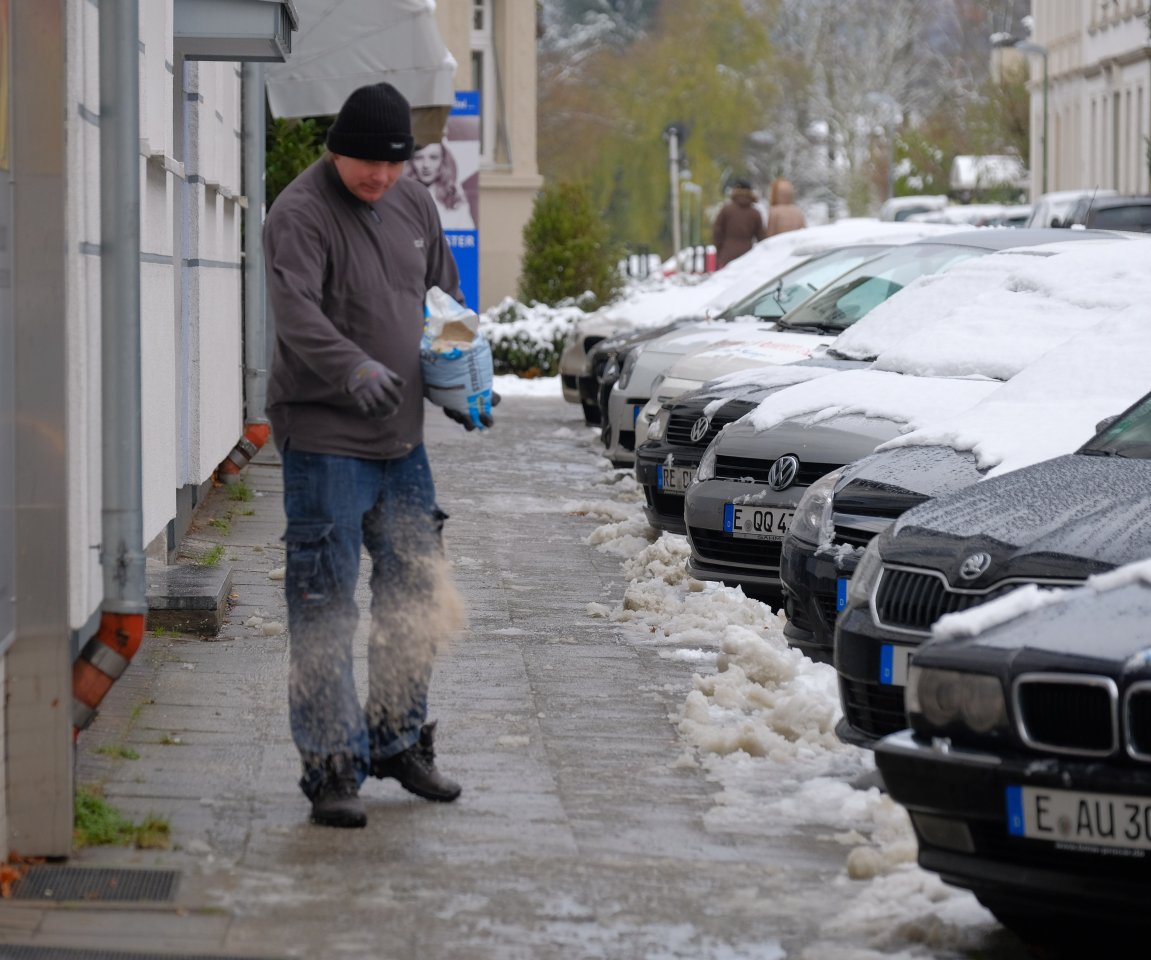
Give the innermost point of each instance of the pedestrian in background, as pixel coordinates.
(351, 249)
(783, 215)
(738, 225)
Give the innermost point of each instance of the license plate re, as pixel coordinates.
(675, 479)
(1067, 816)
(893, 662)
(756, 523)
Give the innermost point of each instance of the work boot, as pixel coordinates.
(415, 768)
(337, 801)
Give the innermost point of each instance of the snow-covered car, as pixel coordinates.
(750, 479)
(801, 332)
(1051, 524)
(1049, 209)
(684, 427)
(1027, 766)
(936, 350)
(665, 300)
(1030, 418)
(748, 342)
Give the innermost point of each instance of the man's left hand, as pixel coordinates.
(465, 420)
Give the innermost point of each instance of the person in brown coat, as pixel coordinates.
(738, 225)
(783, 214)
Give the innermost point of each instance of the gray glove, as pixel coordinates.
(376, 389)
(465, 420)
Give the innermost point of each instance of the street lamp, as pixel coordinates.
(999, 40)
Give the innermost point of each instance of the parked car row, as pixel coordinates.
(923, 491)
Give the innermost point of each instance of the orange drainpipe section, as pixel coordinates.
(255, 436)
(104, 658)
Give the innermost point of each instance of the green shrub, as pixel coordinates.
(568, 252)
(290, 147)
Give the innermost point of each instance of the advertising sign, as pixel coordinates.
(451, 171)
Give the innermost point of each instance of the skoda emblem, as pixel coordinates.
(782, 472)
(699, 429)
(974, 565)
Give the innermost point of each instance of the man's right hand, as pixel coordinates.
(376, 389)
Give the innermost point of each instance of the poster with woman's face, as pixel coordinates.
(451, 172)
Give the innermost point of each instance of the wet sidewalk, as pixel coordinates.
(580, 830)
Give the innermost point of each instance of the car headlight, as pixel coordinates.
(866, 575)
(706, 468)
(628, 367)
(944, 698)
(657, 428)
(812, 521)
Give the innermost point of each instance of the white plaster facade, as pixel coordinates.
(191, 211)
(1099, 95)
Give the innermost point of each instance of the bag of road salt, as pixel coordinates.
(456, 359)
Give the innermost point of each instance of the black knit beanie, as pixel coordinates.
(375, 123)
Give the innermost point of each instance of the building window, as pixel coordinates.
(484, 77)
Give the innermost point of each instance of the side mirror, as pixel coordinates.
(1056, 222)
(1105, 423)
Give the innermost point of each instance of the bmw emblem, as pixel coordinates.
(974, 566)
(699, 429)
(783, 472)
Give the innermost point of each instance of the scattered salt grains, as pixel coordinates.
(513, 741)
(188, 666)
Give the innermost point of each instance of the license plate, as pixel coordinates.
(1091, 819)
(675, 479)
(841, 594)
(893, 664)
(636, 408)
(756, 523)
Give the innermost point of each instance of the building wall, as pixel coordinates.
(509, 175)
(1099, 95)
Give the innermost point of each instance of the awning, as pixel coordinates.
(345, 44)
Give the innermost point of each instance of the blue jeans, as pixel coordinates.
(336, 505)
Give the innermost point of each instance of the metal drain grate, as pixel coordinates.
(46, 882)
(68, 953)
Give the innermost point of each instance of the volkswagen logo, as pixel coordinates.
(782, 473)
(974, 566)
(699, 429)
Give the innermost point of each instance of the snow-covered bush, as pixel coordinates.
(528, 340)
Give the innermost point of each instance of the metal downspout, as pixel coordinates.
(125, 604)
(256, 428)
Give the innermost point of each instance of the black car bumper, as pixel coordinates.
(664, 509)
(963, 808)
(871, 663)
(815, 590)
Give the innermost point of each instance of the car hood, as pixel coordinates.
(1098, 628)
(891, 482)
(835, 441)
(1067, 517)
(744, 351)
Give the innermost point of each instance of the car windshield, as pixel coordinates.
(1128, 436)
(855, 294)
(784, 293)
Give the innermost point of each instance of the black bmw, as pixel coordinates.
(1027, 768)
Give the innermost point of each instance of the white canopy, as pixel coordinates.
(345, 44)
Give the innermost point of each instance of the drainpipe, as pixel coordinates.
(256, 427)
(122, 619)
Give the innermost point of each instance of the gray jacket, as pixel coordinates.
(346, 282)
